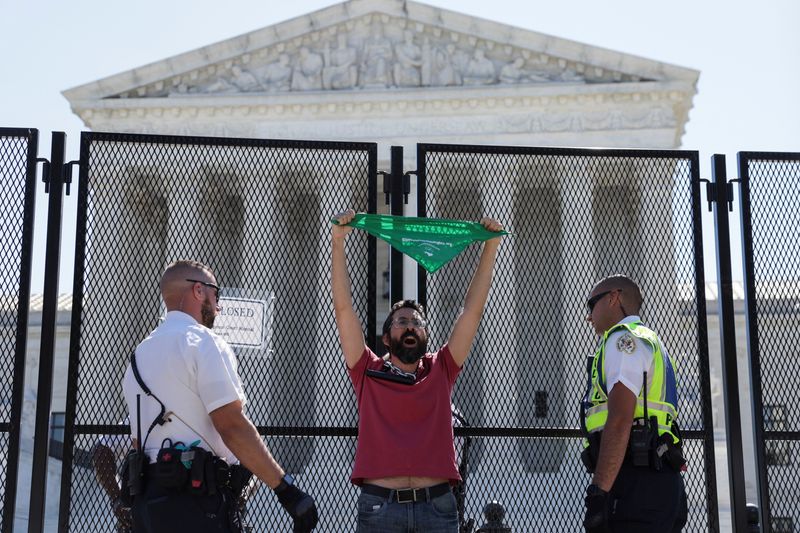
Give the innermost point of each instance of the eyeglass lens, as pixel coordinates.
(596, 298)
(405, 322)
(207, 284)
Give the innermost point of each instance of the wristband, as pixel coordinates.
(286, 481)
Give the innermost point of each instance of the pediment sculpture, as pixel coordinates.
(376, 54)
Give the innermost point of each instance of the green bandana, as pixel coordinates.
(431, 242)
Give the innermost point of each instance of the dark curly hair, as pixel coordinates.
(411, 304)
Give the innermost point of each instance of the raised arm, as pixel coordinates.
(351, 333)
(466, 324)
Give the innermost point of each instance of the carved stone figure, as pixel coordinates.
(480, 70)
(460, 61)
(244, 80)
(277, 75)
(181, 88)
(376, 57)
(512, 72)
(443, 72)
(515, 73)
(307, 74)
(408, 62)
(219, 85)
(340, 70)
(569, 75)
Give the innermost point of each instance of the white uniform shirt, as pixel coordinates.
(193, 372)
(627, 357)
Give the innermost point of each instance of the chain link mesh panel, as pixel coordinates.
(257, 212)
(17, 189)
(770, 188)
(575, 216)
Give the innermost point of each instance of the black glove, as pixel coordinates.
(597, 510)
(299, 505)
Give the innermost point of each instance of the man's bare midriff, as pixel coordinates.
(406, 482)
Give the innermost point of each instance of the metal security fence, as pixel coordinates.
(575, 216)
(258, 212)
(18, 148)
(770, 209)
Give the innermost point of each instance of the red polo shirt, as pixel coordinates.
(405, 430)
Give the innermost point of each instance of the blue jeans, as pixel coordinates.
(379, 515)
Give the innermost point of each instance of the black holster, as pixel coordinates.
(239, 479)
(670, 453)
(133, 476)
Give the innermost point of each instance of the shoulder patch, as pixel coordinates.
(626, 344)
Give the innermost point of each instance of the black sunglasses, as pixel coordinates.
(207, 284)
(591, 302)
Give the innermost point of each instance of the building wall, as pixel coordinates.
(58, 405)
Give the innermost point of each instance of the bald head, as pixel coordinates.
(173, 281)
(630, 294)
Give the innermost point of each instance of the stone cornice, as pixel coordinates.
(543, 109)
(322, 104)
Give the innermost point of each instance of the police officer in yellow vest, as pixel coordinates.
(633, 444)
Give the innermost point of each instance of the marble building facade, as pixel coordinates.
(398, 73)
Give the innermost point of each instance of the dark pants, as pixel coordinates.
(647, 501)
(168, 510)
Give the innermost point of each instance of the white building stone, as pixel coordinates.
(398, 73)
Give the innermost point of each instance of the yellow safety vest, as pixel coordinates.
(662, 392)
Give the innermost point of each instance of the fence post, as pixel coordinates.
(722, 192)
(395, 256)
(13, 426)
(41, 438)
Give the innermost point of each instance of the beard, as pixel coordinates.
(409, 354)
(208, 313)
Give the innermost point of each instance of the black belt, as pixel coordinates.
(407, 495)
(153, 468)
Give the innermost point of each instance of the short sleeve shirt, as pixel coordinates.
(405, 430)
(627, 357)
(192, 371)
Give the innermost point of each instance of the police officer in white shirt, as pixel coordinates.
(630, 416)
(192, 376)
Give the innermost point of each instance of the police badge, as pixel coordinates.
(626, 344)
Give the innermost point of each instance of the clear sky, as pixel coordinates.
(747, 52)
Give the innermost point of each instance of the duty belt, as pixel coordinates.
(425, 494)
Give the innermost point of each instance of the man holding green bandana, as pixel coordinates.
(405, 458)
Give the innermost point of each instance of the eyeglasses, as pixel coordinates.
(207, 284)
(591, 302)
(406, 322)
